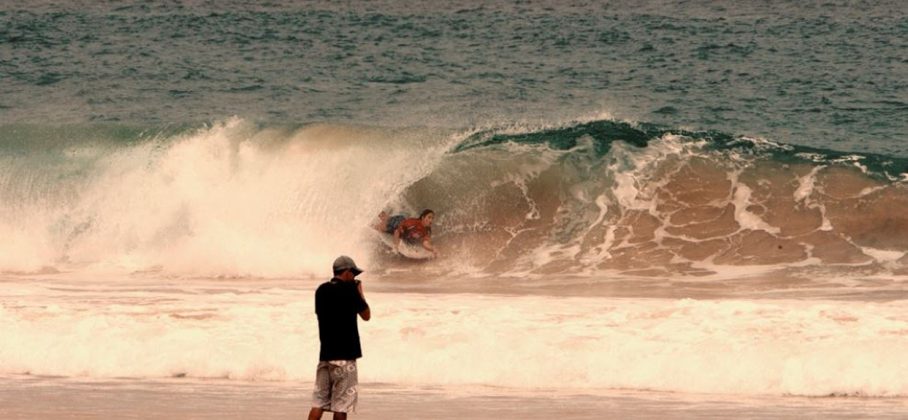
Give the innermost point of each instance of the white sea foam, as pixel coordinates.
(746, 218)
(523, 342)
(883, 255)
(232, 199)
(806, 184)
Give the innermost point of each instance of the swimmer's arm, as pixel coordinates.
(427, 244)
(397, 233)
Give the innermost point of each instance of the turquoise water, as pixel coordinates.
(828, 75)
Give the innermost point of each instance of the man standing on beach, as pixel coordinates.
(337, 302)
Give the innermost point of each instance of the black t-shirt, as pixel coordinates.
(337, 303)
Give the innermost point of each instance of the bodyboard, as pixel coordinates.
(415, 252)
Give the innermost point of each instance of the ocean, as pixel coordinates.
(656, 209)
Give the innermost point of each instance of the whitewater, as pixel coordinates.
(254, 333)
(643, 209)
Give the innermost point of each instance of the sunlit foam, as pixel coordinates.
(773, 347)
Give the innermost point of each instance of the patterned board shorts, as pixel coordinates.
(335, 386)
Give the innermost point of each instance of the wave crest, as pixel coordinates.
(593, 197)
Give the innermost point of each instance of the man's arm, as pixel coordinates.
(365, 314)
(427, 244)
(397, 232)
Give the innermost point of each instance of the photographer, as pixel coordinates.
(337, 303)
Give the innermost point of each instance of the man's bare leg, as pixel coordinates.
(315, 413)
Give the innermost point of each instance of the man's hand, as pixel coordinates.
(366, 314)
(427, 244)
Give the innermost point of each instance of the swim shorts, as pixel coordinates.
(335, 386)
(394, 222)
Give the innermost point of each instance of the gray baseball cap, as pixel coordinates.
(344, 263)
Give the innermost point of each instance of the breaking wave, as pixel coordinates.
(236, 198)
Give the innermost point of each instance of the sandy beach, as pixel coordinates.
(25, 397)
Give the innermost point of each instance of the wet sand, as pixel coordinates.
(27, 397)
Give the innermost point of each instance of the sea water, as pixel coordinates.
(637, 202)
